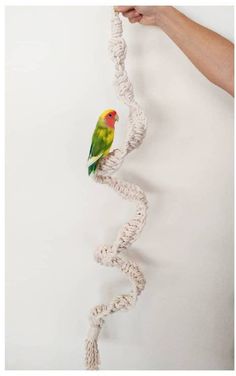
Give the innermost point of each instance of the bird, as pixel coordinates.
(102, 138)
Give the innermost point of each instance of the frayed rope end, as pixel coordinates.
(92, 358)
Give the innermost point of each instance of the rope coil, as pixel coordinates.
(112, 255)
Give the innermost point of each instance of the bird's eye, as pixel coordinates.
(110, 115)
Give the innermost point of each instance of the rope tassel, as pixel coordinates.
(113, 255)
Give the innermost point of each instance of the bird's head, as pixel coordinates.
(109, 117)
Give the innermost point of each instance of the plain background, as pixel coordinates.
(58, 79)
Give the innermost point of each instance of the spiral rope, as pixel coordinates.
(112, 255)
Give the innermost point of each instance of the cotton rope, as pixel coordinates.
(112, 255)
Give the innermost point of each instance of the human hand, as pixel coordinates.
(145, 15)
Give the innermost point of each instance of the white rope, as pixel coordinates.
(112, 255)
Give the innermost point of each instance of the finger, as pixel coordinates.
(123, 9)
(135, 19)
(131, 14)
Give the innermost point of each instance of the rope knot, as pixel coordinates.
(118, 49)
(111, 163)
(116, 26)
(105, 255)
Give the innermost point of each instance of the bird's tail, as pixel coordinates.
(92, 168)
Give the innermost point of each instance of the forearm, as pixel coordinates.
(211, 53)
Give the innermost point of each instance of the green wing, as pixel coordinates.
(101, 142)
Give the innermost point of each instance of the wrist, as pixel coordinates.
(162, 15)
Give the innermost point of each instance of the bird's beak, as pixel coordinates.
(116, 118)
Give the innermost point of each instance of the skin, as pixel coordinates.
(212, 54)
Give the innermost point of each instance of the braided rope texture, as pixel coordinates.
(112, 255)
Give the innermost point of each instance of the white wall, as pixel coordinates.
(59, 78)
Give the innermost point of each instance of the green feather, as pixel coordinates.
(92, 168)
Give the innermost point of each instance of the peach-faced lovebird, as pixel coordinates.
(102, 139)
